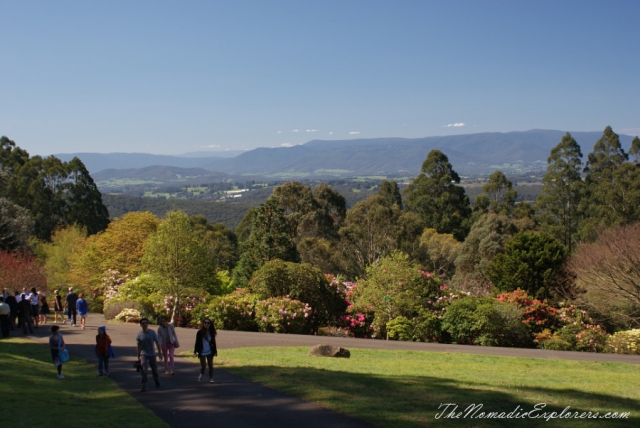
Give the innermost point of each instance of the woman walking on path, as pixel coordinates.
(57, 307)
(102, 351)
(44, 309)
(168, 343)
(56, 343)
(83, 309)
(205, 347)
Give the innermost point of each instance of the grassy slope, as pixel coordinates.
(405, 388)
(32, 395)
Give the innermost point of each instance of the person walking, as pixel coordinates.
(5, 311)
(56, 343)
(24, 314)
(44, 309)
(147, 354)
(71, 300)
(35, 306)
(205, 347)
(58, 308)
(168, 343)
(103, 341)
(83, 309)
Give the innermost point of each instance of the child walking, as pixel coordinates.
(56, 343)
(83, 309)
(102, 351)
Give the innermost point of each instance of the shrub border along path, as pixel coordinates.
(182, 401)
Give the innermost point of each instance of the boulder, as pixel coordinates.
(329, 351)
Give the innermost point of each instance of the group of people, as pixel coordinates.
(30, 309)
(165, 341)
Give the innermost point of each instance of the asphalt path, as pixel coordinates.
(182, 401)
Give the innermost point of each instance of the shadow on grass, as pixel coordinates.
(414, 401)
(27, 375)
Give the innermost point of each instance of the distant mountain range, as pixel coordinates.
(471, 154)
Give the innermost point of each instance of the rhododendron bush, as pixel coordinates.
(283, 315)
(235, 311)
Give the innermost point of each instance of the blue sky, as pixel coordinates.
(170, 77)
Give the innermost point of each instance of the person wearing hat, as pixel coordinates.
(103, 342)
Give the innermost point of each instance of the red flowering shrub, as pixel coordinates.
(538, 315)
(578, 333)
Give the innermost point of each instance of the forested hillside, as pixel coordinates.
(547, 266)
(228, 213)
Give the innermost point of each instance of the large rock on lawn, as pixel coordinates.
(329, 351)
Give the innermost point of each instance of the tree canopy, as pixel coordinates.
(436, 198)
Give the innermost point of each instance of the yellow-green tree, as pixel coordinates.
(178, 262)
(58, 254)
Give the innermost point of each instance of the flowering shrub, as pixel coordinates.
(538, 315)
(128, 313)
(579, 333)
(624, 342)
(394, 287)
(111, 282)
(234, 311)
(283, 315)
(357, 324)
(139, 293)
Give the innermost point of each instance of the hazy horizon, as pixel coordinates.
(172, 78)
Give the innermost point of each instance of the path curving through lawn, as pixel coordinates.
(182, 401)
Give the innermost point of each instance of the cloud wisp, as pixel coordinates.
(354, 132)
(455, 125)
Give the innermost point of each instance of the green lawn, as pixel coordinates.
(32, 395)
(405, 388)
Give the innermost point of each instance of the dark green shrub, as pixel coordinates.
(96, 305)
(235, 311)
(487, 322)
(400, 328)
(299, 281)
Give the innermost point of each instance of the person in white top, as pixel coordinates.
(35, 307)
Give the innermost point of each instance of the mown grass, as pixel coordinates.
(405, 388)
(32, 395)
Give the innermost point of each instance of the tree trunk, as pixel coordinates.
(175, 309)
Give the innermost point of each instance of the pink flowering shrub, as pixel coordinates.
(283, 315)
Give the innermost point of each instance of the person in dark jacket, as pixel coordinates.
(205, 347)
(13, 305)
(24, 314)
(72, 299)
(5, 310)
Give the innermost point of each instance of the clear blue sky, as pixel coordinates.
(170, 77)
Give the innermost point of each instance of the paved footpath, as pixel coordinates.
(182, 401)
